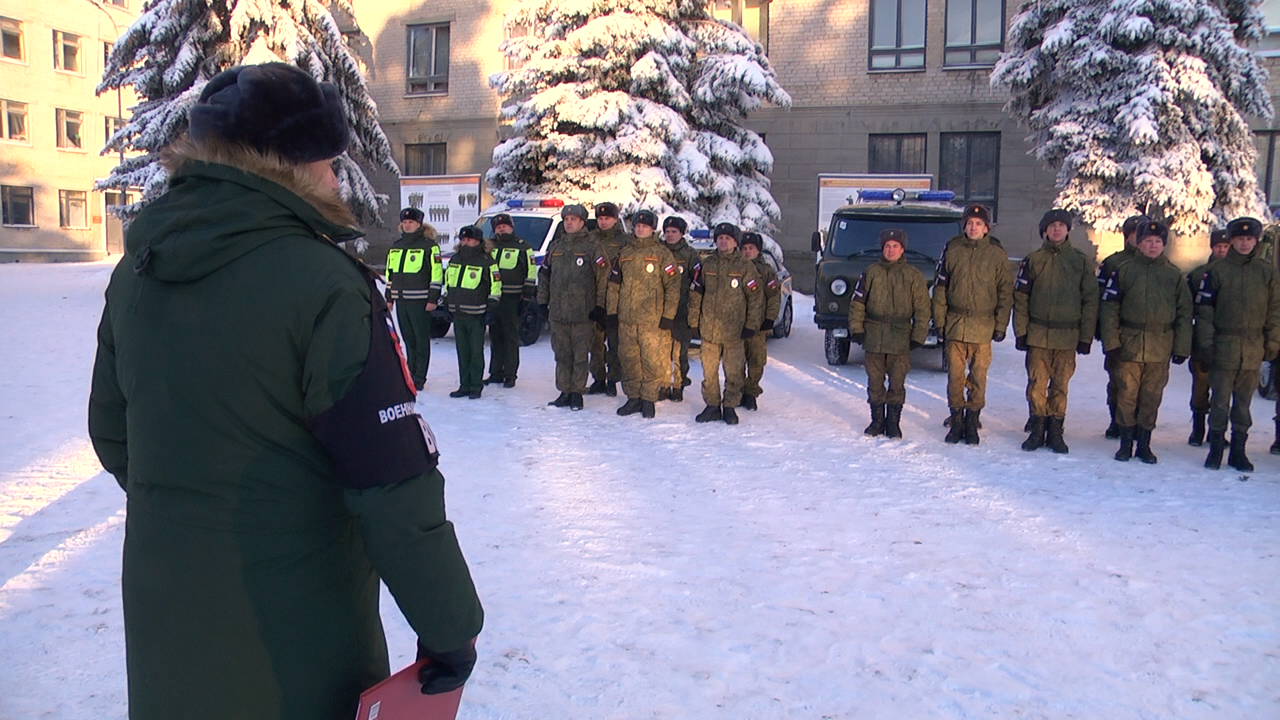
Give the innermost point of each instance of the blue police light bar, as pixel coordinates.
(700, 234)
(875, 194)
(517, 204)
(936, 196)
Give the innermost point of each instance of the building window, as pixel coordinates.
(1269, 45)
(1266, 166)
(896, 154)
(66, 51)
(73, 209)
(975, 32)
(13, 120)
(69, 122)
(19, 205)
(897, 34)
(11, 39)
(969, 165)
(512, 32)
(429, 58)
(111, 125)
(750, 15)
(119, 3)
(428, 159)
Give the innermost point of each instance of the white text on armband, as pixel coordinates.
(395, 412)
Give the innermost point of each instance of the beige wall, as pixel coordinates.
(37, 162)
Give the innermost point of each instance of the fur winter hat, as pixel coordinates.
(411, 213)
(753, 238)
(1149, 227)
(1053, 216)
(1244, 226)
(471, 232)
(645, 217)
(503, 219)
(575, 210)
(1218, 237)
(727, 229)
(977, 210)
(606, 209)
(677, 222)
(1131, 224)
(895, 234)
(274, 108)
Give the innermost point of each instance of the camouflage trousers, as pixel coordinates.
(1048, 374)
(604, 355)
(893, 367)
(732, 356)
(571, 344)
(967, 366)
(757, 352)
(1231, 393)
(679, 356)
(1139, 391)
(1199, 386)
(415, 330)
(644, 352)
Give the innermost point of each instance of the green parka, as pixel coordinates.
(725, 297)
(1055, 298)
(973, 290)
(414, 268)
(1238, 312)
(572, 278)
(772, 289)
(515, 264)
(890, 307)
(686, 258)
(643, 285)
(1146, 311)
(1193, 285)
(250, 577)
(472, 281)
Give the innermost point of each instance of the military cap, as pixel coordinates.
(1244, 226)
(1218, 237)
(470, 232)
(411, 213)
(606, 209)
(645, 217)
(677, 222)
(503, 219)
(753, 238)
(977, 210)
(575, 210)
(1131, 224)
(727, 229)
(1053, 216)
(897, 235)
(1150, 227)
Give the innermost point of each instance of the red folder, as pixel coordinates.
(400, 697)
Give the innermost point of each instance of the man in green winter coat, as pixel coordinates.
(1237, 327)
(1106, 270)
(889, 317)
(972, 299)
(472, 286)
(415, 272)
(571, 291)
(1146, 321)
(673, 230)
(606, 368)
(249, 397)
(725, 308)
(1055, 314)
(519, 286)
(756, 346)
(1218, 247)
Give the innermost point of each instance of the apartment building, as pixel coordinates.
(52, 128)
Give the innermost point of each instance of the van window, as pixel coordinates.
(924, 235)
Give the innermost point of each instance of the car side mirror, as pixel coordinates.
(817, 241)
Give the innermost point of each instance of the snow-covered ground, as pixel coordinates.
(788, 567)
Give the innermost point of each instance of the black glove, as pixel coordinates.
(1020, 342)
(666, 324)
(766, 326)
(694, 334)
(1083, 348)
(747, 333)
(596, 315)
(915, 345)
(491, 314)
(546, 310)
(523, 305)
(447, 670)
(1179, 359)
(611, 320)
(857, 338)
(998, 335)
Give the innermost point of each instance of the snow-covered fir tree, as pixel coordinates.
(176, 46)
(638, 102)
(1141, 105)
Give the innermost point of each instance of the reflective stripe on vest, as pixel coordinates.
(470, 279)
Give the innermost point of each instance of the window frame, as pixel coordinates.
(965, 195)
(6, 203)
(436, 83)
(107, 129)
(1270, 175)
(972, 47)
(60, 42)
(898, 50)
(64, 211)
(6, 130)
(442, 155)
(63, 137)
(737, 13)
(900, 139)
(9, 26)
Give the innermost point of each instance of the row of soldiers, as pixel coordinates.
(1138, 304)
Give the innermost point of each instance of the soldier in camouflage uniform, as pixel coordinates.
(571, 291)
(889, 317)
(519, 285)
(1237, 327)
(972, 299)
(725, 308)
(1105, 270)
(605, 368)
(756, 346)
(1218, 247)
(473, 286)
(414, 274)
(673, 230)
(1055, 314)
(1145, 321)
(643, 295)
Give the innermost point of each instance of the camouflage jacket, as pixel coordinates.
(644, 286)
(1237, 308)
(1146, 311)
(890, 307)
(973, 290)
(572, 278)
(725, 297)
(1055, 298)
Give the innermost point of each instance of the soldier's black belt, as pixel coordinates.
(1238, 331)
(1055, 324)
(888, 319)
(1146, 327)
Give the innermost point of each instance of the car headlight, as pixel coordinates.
(839, 286)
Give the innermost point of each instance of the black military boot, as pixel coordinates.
(493, 380)
(647, 410)
(972, 421)
(459, 393)
(561, 401)
(1035, 440)
(1196, 438)
(596, 387)
(730, 416)
(955, 426)
(1030, 423)
(509, 383)
(1236, 458)
(630, 407)
(748, 402)
(709, 414)
(475, 394)
(1217, 443)
(893, 421)
(664, 393)
(1126, 444)
(611, 389)
(677, 394)
(1144, 446)
(1053, 435)
(1275, 446)
(1113, 430)
(876, 428)
(575, 401)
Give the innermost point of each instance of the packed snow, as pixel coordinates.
(788, 567)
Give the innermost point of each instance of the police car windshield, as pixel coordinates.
(927, 236)
(532, 229)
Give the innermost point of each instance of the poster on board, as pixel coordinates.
(448, 202)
